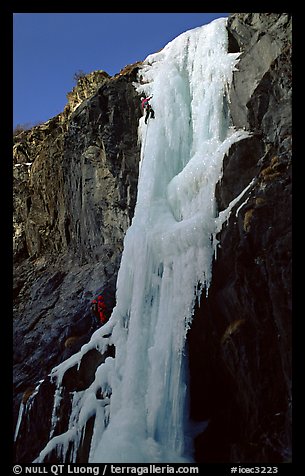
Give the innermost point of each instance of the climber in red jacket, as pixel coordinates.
(98, 309)
(101, 309)
(147, 107)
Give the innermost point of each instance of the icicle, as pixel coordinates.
(20, 415)
(57, 402)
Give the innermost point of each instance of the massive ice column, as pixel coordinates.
(167, 258)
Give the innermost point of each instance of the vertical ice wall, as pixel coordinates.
(166, 261)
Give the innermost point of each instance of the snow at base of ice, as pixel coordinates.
(166, 262)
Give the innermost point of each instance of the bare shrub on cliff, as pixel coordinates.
(21, 128)
(79, 74)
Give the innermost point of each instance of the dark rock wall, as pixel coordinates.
(75, 185)
(240, 341)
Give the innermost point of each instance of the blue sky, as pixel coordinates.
(49, 48)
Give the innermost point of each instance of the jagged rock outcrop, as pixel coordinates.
(240, 341)
(75, 184)
(86, 86)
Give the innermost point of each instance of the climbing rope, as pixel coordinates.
(143, 148)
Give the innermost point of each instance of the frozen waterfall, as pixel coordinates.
(166, 262)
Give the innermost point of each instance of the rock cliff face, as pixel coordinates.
(75, 182)
(240, 341)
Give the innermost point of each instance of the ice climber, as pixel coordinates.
(147, 107)
(95, 316)
(98, 309)
(101, 309)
